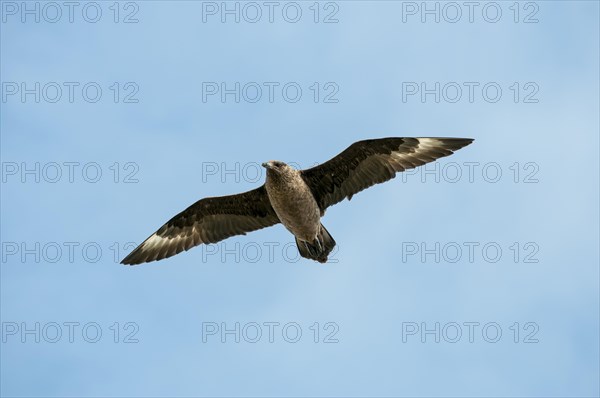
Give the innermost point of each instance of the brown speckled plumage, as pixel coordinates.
(293, 201)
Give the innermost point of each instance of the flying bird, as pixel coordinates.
(296, 198)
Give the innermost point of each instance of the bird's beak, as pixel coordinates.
(266, 165)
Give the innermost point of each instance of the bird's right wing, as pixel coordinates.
(208, 220)
(370, 162)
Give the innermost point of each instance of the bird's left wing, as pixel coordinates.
(370, 162)
(208, 220)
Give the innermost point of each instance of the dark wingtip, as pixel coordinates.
(466, 141)
(455, 143)
(131, 260)
(126, 262)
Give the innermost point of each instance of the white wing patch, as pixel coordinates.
(155, 242)
(426, 150)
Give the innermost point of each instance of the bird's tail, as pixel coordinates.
(319, 249)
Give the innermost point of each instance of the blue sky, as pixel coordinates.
(159, 147)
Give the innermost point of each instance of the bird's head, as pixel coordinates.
(275, 166)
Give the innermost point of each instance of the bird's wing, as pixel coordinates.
(208, 220)
(370, 162)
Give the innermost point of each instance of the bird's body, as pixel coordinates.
(296, 198)
(292, 201)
